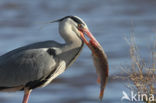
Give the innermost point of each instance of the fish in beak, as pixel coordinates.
(99, 59)
(89, 34)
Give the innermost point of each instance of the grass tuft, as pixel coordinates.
(142, 77)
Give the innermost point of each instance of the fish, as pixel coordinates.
(101, 64)
(100, 61)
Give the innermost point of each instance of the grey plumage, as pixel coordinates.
(36, 65)
(25, 64)
(31, 62)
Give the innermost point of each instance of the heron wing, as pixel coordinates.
(25, 66)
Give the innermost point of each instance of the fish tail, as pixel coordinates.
(101, 94)
(103, 85)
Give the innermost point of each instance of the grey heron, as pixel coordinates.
(37, 64)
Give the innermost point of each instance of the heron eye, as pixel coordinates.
(80, 26)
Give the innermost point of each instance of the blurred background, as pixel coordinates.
(110, 21)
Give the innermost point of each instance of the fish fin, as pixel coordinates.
(101, 94)
(98, 80)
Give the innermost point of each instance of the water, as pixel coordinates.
(110, 21)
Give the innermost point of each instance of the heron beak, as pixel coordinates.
(90, 36)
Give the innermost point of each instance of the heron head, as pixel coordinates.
(78, 26)
(83, 30)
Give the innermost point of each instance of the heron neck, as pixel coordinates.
(71, 39)
(71, 51)
(72, 43)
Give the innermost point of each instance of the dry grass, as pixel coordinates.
(142, 77)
